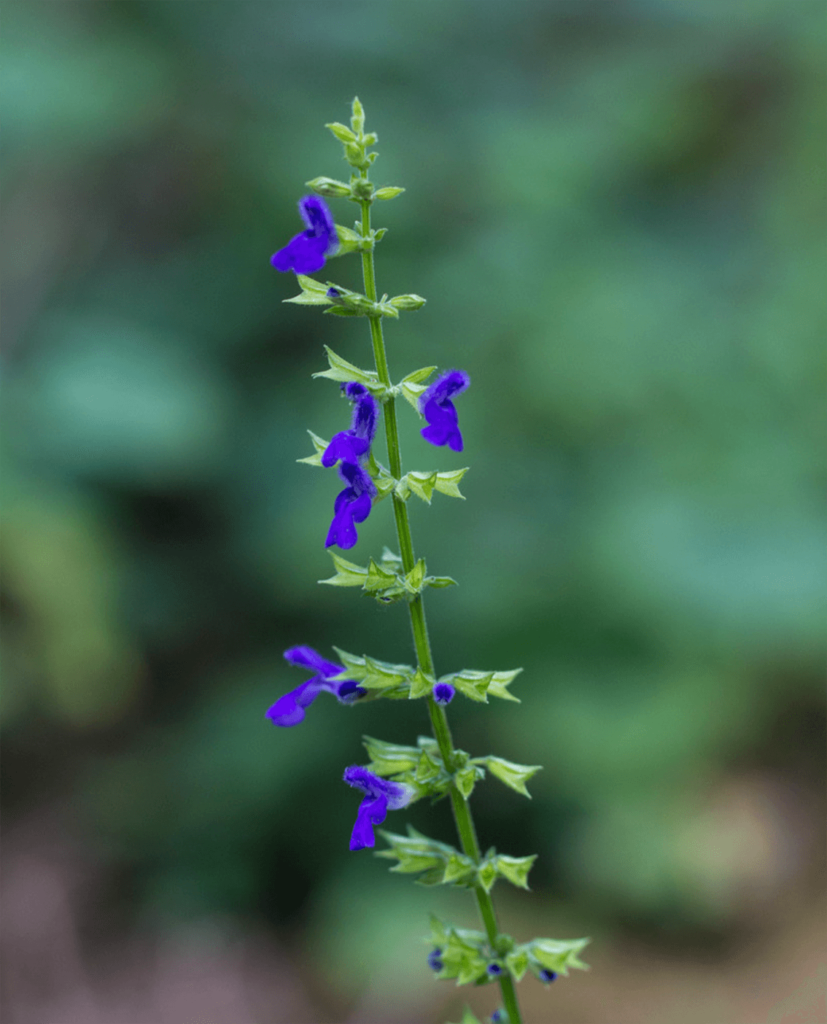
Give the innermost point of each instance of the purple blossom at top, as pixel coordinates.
(436, 406)
(350, 445)
(548, 976)
(434, 961)
(305, 253)
(381, 796)
(289, 709)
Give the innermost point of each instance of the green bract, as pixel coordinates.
(423, 485)
(388, 192)
(313, 293)
(513, 775)
(382, 579)
(477, 685)
(329, 187)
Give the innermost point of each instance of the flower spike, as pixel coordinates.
(306, 252)
(438, 409)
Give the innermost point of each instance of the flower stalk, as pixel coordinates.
(399, 775)
(439, 719)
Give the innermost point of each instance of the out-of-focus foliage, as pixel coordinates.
(615, 213)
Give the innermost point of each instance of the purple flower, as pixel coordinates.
(352, 506)
(289, 709)
(351, 445)
(548, 976)
(436, 406)
(305, 253)
(444, 693)
(381, 796)
(434, 961)
(493, 970)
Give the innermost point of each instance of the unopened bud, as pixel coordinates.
(329, 187)
(408, 302)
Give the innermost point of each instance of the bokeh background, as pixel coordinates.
(615, 211)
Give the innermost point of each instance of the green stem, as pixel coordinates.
(439, 720)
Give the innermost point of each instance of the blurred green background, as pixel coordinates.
(615, 211)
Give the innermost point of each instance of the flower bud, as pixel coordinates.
(388, 192)
(342, 132)
(410, 302)
(329, 187)
(355, 154)
(362, 189)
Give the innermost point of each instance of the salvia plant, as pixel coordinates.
(398, 774)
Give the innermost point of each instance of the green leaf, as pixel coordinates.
(313, 293)
(457, 867)
(517, 962)
(383, 673)
(343, 371)
(513, 775)
(388, 192)
(411, 393)
(470, 683)
(418, 376)
(448, 482)
(466, 780)
(403, 488)
(440, 581)
(432, 877)
(347, 573)
(421, 685)
(416, 577)
(471, 969)
(428, 767)
(349, 240)
(515, 869)
(329, 187)
(342, 132)
(439, 932)
(557, 954)
(487, 875)
(422, 484)
(409, 303)
(338, 311)
(357, 120)
(390, 758)
(378, 578)
(385, 483)
(499, 683)
(319, 444)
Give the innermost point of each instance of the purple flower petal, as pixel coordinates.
(344, 446)
(289, 709)
(308, 658)
(305, 253)
(381, 795)
(443, 693)
(370, 813)
(436, 406)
